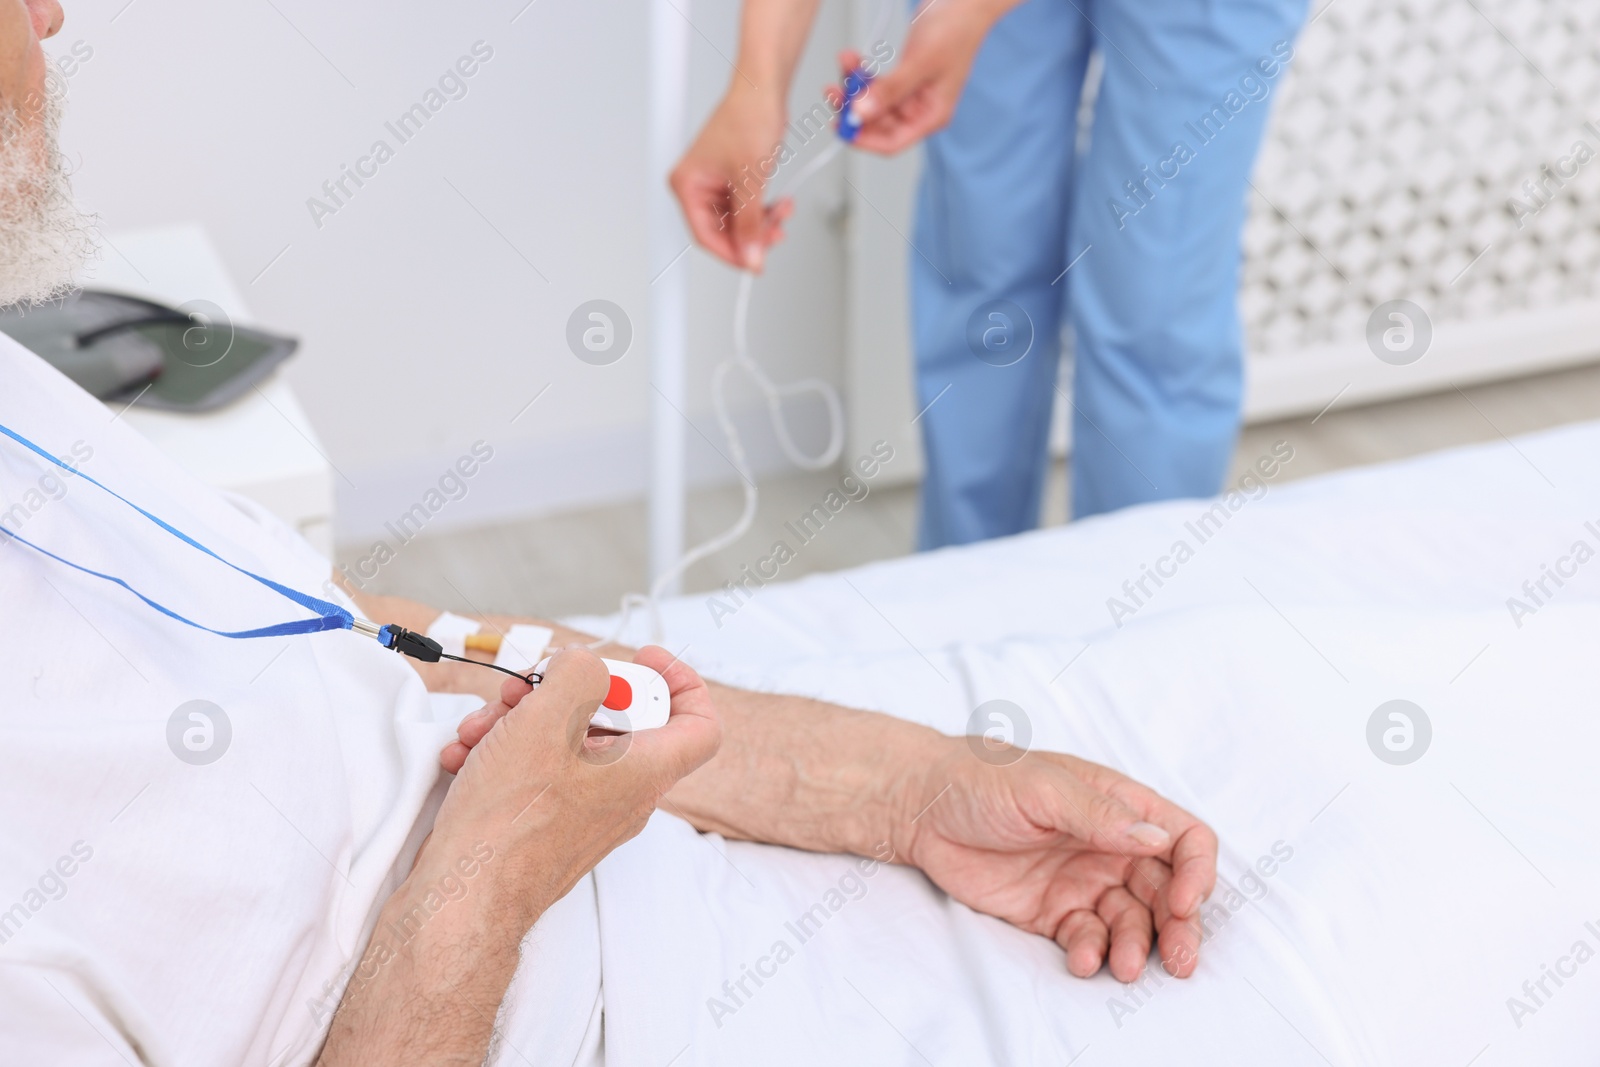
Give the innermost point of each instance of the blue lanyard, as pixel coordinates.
(329, 616)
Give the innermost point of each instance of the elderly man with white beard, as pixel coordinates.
(153, 911)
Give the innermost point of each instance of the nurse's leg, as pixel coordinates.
(991, 226)
(1161, 197)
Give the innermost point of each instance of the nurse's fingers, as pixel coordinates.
(707, 208)
(776, 215)
(919, 95)
(903, 112)
(1131, 932)
(1085, 938)
(722, 198)
(849, 59)
(749, 221)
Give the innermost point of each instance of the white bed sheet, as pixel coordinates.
(1416, 901)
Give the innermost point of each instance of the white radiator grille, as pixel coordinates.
(1402, 133)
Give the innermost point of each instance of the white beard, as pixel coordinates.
(45, 240)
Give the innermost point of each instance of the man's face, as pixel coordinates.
(23, 24)
(44, 239)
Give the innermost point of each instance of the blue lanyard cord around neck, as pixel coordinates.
(329, 616)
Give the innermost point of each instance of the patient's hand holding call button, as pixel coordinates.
(638, 698)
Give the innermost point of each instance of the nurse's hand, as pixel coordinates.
(721, 180)
(919, 95)
(1063, 848)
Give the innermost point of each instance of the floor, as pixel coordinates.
(584, 561)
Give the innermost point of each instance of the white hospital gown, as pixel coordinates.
(157, 909)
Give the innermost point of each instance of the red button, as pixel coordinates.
(621, 694)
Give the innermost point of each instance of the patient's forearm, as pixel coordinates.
(808, 774)
(791, 771)
(431, 998)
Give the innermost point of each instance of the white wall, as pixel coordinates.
(424, 326)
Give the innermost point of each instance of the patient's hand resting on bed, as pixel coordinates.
(1069, 850)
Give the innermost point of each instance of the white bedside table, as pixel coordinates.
(261, 446)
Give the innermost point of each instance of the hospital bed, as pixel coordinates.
(1368, 913)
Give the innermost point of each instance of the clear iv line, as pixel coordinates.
(774, 395)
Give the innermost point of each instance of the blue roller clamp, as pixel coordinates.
(855, 83)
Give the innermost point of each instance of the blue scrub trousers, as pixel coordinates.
(1149, 220)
